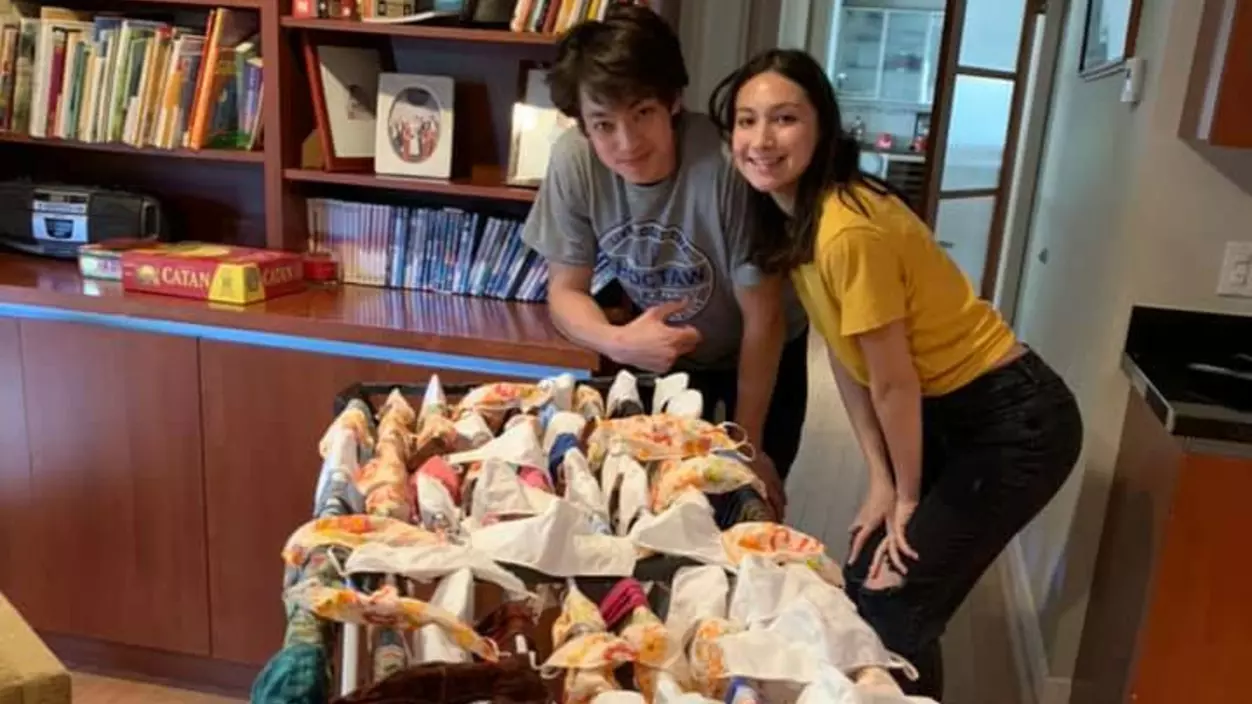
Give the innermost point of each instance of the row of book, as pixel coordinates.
(556, 16)
(547, 16)
(447, 250)
(101, 77)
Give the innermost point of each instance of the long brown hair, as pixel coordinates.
(835, 166)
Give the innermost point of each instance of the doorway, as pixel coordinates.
(945, 96)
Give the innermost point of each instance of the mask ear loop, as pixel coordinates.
(898, 662)
(737, 435)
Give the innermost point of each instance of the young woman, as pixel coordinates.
(967, 434)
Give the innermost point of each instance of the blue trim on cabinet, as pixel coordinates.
(396, 355)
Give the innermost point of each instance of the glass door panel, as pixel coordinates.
(904, 58)
(963, 228)
(859, 53)
(977, 131)
(980, 112)
(992, 34)
(934, 41)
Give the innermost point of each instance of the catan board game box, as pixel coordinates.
(212, 272)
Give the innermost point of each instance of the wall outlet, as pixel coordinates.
(1236, 276)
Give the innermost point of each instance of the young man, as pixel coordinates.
(647, 186)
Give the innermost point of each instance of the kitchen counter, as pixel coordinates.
(1166, 601)
(1194, 370)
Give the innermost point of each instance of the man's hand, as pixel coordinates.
(775, 490)
(650, 343)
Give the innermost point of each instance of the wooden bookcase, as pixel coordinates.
(258, 198)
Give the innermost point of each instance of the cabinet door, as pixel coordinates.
(859, 53)
(116, 476)
(904, 56)
(264, 411)
(934, 41)
(18, 581)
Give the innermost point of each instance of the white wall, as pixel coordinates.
(1125, 213)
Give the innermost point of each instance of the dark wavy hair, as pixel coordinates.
(632, 54)
(781, 242)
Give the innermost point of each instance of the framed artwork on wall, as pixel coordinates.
(1108, 36)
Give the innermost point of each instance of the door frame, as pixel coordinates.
(1037, 117)
(1004, 190)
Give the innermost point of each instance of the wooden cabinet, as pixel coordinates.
(1218, 107)
(19, 580)
(264, 412)
(1168, 618)
(116, 526)
(887, 55)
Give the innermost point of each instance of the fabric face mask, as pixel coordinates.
(434, 400)
(709, 474)
(780, 544)
(336, 492)
(386, 608)
(499, 398)
(588, 402)
(666, 388)
(351, 532)
(355, 418)
(584, 650)
(398, 409)
(623, 399)
(651, 438)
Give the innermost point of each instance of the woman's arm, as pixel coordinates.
(896, 395)
(856, 400)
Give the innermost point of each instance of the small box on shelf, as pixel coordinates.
(212, 272)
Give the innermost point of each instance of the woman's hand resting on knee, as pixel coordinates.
(876, 507)
(895, 547)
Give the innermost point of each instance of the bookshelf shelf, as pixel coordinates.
(466, 188)
(227, 155)
(420, 31)
(231, 4)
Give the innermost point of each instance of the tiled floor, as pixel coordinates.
(825, 487)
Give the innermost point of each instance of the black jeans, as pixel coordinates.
(786, 409)
(993, 454)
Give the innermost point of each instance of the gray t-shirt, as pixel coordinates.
(684, 238)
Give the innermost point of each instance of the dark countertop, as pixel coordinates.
(1175, 360)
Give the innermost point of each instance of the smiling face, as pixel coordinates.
(774, 136)
(635, 140)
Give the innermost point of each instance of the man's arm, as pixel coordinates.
(576, 314)
(648, 342)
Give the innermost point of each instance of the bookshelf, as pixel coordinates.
(228, 155)
(465, 188)
(259, 198)
(452, 34)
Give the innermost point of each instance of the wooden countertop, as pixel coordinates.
(406, 320)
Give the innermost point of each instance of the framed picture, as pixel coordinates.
(1108, 36)
(536, 125)
(343, 81)
(415, 122)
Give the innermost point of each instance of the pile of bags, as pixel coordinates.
(422, 515)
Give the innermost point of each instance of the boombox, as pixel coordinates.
(55, 220)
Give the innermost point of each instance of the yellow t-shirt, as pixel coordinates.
(868, 272)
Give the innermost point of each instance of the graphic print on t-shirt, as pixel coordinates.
(656, 263)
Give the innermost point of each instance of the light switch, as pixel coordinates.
(1236, 276)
